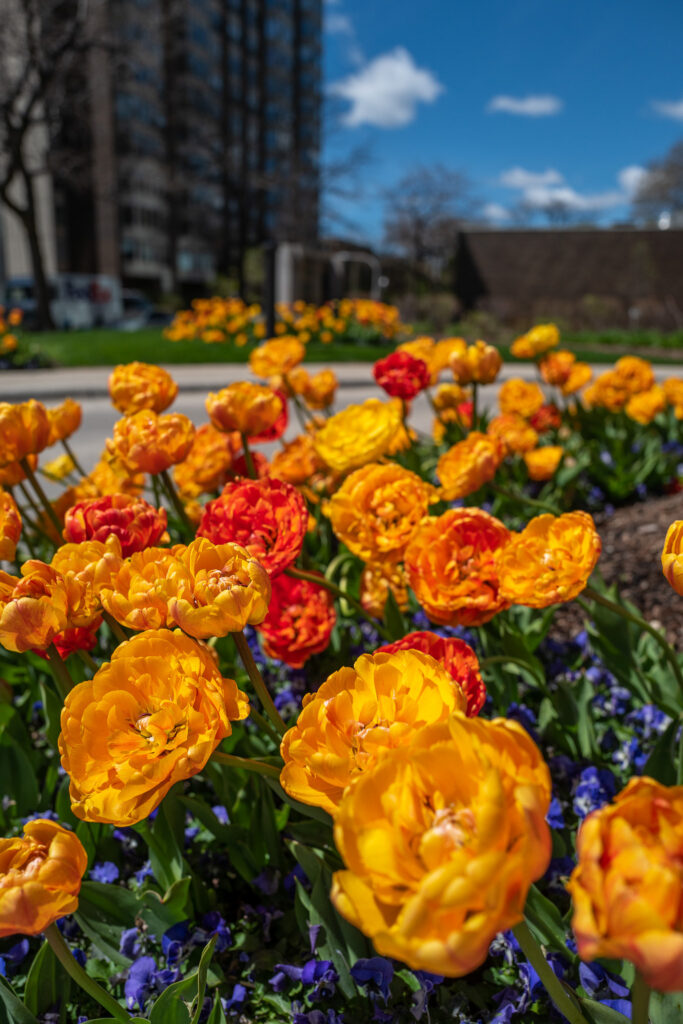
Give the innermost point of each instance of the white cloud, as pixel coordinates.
(669, 108)
(495, 212)
(518, 177)
(338, 24)
(542, 197)
(526, 106)
(631, 178)
(386, 91)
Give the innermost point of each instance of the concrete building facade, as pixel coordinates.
(201, 141)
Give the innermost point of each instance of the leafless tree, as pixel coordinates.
(424, 211)
(661, 189)
(42, 42)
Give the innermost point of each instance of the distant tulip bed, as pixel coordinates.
(218, 321)
(297, 738)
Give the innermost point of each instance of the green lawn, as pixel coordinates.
(108, 347)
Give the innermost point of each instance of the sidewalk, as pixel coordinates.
(91, 381)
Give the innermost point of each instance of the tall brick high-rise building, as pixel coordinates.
(198, 139)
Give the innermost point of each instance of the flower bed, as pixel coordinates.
(289, 738)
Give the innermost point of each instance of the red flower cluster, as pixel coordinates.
(401, 375)
(548, 417)
(268, 517)
(299, 622)
(457, 658)
(137, 524)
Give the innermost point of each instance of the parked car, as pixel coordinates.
(77, 301)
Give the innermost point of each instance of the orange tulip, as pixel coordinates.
(135, 386)
(478, 364)
(455, 656)
(512, 430)
(33, 610)
(469, 464)
(251, 409)
(357, 716)
(550, 561)
(138, 595)
(276, 357)
(150, 717)
(377, 509)
(10, 526)
(358, 434)
(24, 430)
(517, 395)
(216, 589)
(148, 443)
(209, 462)
(627, 888)
(542, 463)
(451, 566)
(87, 568)
(40, 877)
(672, 556)
(441, 840)
(65, 419)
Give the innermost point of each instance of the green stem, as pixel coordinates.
(174, 498)
(248, 458)
(640, 997)
(248, 763)
(311, 577)
(638, 620)
(553, 986)
(35, 526)
(532, 502)
(257, 682)
(35, 484)
(116, 629)
(72, 455)
(60, 672)
(264, 724)
(83, 980)
(88, 660)
(499, 659)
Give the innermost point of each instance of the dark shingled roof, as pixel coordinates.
(512, 268)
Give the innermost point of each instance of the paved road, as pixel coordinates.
(89, 386)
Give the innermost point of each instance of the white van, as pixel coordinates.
(77, 301)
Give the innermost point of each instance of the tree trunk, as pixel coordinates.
(40, 283)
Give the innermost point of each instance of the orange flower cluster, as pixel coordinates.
(673, 389)
(206, 589)
(276, 357)
(137, 524)
(542, 463)
(612, 389)
(521, 397)
(377, 509)
(377, 581)
(451, 566)
(297, 461)
(208, 463)
(549, 561)
(672, 556)
(469, 464)
(645, 405)
(536, 342)
(40, 877)
(455, 656)
(65, 419)
(24, 430)
(477, 364)
(299, 622)
(148, 443)
(10, 526)
(441, 839)
(267, 517)
(251, 409)
(514, 432)
(359, 714)
(627, 888)
(136, 386)
(33, 609)
(556, 367)
(150, 717)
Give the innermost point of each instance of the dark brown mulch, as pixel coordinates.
(632, 541)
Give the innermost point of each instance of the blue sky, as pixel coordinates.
(533, 99)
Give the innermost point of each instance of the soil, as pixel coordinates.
(632, 541)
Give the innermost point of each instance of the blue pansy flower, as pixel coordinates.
(375, 970)
(106, 872)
